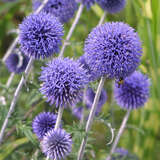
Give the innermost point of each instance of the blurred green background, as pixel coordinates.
(142, 135)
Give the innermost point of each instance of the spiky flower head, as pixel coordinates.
(112, 6)
(113, 50)
(57, 144)
(62, 9)
(43, 122)
(87, 3)
(40, 35)
(88, 100)
(92, 75)
(63, 81)
(123, 154)
(16, 62)
(134, 92)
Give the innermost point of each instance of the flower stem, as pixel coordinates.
(122, 127)
(58, 121)
(102, 18)
(10, 79)
(79, 12)
(90, 119)
(14, 100)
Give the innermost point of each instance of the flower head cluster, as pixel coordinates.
(62, 9)
(16, 62)
(43, 122)
(112, 6)
(89, 98)
(87, 3)
(63, 81)
(113, 50)
(92, 75)
(40, 35)
(134, 92)
(122, 154)
(56, 144)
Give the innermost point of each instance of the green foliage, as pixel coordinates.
(142, 133)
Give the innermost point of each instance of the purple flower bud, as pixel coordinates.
(112, 6)
(62, 9)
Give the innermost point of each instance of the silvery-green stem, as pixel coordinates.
(14, 43)
(79, 12)
(102, 18)
(122, 127)
(59, 117)
(14, 100)
(10, 79)
(10, 49)
(22, 81)
(90, 119)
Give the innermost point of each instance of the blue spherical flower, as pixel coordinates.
(16, 63)
(43, 122)
(40, 35)
(63, 81)
(112, 6)
(92, 75)
(88, 100)
(87, 3)
(57, 144)
(62, 9)
(134, 92)
(77, 111)
(113, 50)
(122, 154)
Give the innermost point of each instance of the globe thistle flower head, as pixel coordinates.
(92, 76)
(78, 111)
(56, 144)
(43, 122)
(123, 154)
(112, 6)
(134, 92)
(89, 99)
(40, 35)
(62, 9)
(87, 3)
(16, 63)
(63, 81)
(113, 50)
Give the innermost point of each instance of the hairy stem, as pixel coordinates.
(79, 12)
(102, 18)
(90, 119)
(122, 127)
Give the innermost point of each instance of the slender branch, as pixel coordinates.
(122, 127)
(102, 18)
(10, 79)
(79, 12)
(58, 121)
(90, 119)
(93, 109)
(20, 85)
